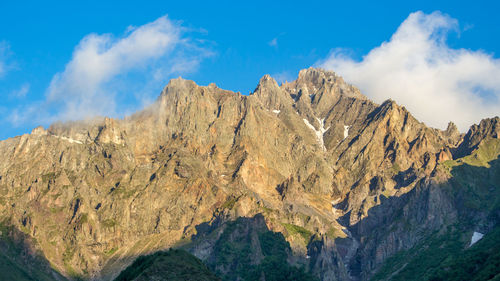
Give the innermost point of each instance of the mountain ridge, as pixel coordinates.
(97, 194)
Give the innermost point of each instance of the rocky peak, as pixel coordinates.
(452, 135)
(487, 128)
(39, 131)
(316, 76)
(392, 111)
(451, 129)
(310, 81)
(178, 84)
(316, 91)
(182, 91)
(267, 79)
(270, 94)
(111, 132)
(389, 104)
(319, 77)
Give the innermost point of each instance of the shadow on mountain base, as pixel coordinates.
(424, 233)
(20, 261)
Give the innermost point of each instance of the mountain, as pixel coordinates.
(350, 189)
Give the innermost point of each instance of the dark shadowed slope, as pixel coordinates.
(172, 265)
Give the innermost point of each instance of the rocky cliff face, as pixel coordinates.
(349, 183)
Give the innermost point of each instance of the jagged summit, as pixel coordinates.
(311, 77)
(317, 75)
(178, 86)
(488, 128)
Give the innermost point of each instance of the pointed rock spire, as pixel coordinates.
(270, 94)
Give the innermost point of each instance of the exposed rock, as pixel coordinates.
(338, 175)
(487, 128)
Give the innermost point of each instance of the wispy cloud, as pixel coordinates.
(418, 69)
(104, 68)
(273, 43)
(4, 49)
(21, 92)
(282, 77)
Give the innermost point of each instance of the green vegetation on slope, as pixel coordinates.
(293, 229)
(17, 264)
(475, 178)
(446, 257)
(274, 266)
(13, 270)
(247, 252)
(479, 262)
(170, 265)
(486, 152)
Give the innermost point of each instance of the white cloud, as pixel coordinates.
(4, 47)
(419, 70)
(96, 78)
(282, 77)
(273, 43)
(21, 92)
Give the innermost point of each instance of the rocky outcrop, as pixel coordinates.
(487, 129)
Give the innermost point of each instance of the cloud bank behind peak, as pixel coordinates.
(418, 69)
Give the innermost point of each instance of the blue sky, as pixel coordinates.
(46, 49)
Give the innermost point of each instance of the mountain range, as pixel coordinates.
(307, 180)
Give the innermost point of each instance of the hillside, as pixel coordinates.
(171, 265)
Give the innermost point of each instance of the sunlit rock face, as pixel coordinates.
(348, 182)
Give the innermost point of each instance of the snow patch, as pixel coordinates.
(319, 133)
(276, 111)
(309, 124)
(476, 236)
(70, 140)
(346, 131)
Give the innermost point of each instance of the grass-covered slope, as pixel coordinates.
(170, 265)
(19, 261)
(446, 257)
(479, 262)
(475, 179)
(273, 265)
(11, 269)
(245, 249)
